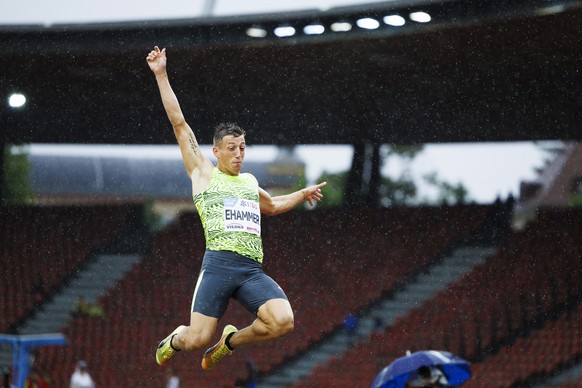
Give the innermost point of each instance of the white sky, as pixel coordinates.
(487, 170)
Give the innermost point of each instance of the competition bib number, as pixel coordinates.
(241, 215)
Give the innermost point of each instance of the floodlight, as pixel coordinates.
(284, 31)
(368, 23)
(256, 32)
(394, 20)
(313, 29)
(16, 100)
(341, 27)
(420, 17)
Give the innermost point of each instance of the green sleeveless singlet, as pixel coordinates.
(230, 214)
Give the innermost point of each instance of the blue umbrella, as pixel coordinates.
(396, 374)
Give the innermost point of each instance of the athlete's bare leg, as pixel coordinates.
(197, 335)
(274, 320)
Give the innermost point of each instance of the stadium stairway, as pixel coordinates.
(571, 375)
(427, 284)
(98, 276)
(93, 281)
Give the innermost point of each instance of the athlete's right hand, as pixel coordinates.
(157, 60)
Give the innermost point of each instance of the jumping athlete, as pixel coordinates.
(230, 205)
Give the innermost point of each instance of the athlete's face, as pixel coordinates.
(230, 153)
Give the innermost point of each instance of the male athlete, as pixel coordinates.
(230, 205)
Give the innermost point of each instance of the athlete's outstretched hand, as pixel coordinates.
(313, 193)
(157, 60)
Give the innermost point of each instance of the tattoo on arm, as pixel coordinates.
(193, 143)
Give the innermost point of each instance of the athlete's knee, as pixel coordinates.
(284, 324)
(287, 325)
(277, 317)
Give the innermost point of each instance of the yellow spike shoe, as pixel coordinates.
(165, 351)
(218, 351)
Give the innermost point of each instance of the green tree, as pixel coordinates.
(392, 192)
(407, 152)
(448, 193)
(396, 192)
(16, 186)
(402, 190)
(576, 200)
(334, 190)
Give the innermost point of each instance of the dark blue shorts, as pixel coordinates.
(226, 275)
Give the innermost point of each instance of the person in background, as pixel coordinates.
(351, 327)
(81, 377)
(427, 377)
(173, 380)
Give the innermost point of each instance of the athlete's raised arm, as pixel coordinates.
(193, 158)
(283, 203)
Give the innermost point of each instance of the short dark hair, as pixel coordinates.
(227, 129)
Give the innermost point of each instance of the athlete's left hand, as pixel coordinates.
(313, 193)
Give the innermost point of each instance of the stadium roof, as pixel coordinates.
(476, 71)
(96, 177)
